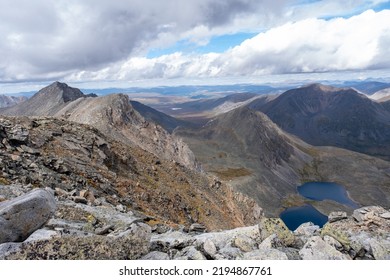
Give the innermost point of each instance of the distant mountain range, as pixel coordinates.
(8, 101)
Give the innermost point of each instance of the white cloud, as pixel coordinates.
(311, 45)
(102, 39)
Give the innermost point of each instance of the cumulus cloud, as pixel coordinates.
(101, 39)
(310, 45)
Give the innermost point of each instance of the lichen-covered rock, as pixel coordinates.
(269, 226)
(21, 216)
(317, 249)
(244, 243)
(337, 216)
(131, 244)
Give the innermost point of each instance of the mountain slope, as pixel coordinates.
(8, 101)
(167, 122)
(199, 111)
(328, 116)
(382, 95)
(85, 165)
(46, 102)
(114, 116)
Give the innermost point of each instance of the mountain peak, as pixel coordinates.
(321, 87)
(47, 101)
(61, 91)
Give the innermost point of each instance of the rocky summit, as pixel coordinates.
(81, 231)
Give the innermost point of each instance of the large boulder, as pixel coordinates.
(21, 216)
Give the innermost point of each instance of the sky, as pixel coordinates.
(102, 43)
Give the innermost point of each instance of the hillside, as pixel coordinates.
(167, 122)
(199, 111)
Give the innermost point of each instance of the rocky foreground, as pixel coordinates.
(45, 224)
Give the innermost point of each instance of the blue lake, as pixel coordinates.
(324, 190)
(294, 216)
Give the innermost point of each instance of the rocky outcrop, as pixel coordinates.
(115, 116)
(21, 216)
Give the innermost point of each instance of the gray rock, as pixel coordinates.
(208, 249)
(266, 250)
(7, 248)
(190, 253)
(23, 215)
(221, 239)
(265, 254)
(307, 229)
(18, 134)
(317, 249)
(244, 243)
(230, 253)
(385, 215)
(337, 216)
(197, 228)
(104, 230)
(333, 242)
(171, 240)
(155, 255)
(380, 249)
(42, 234)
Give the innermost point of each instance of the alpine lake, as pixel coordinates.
(293, 217)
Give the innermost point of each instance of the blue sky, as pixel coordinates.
(133, 42)
(218, 44)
